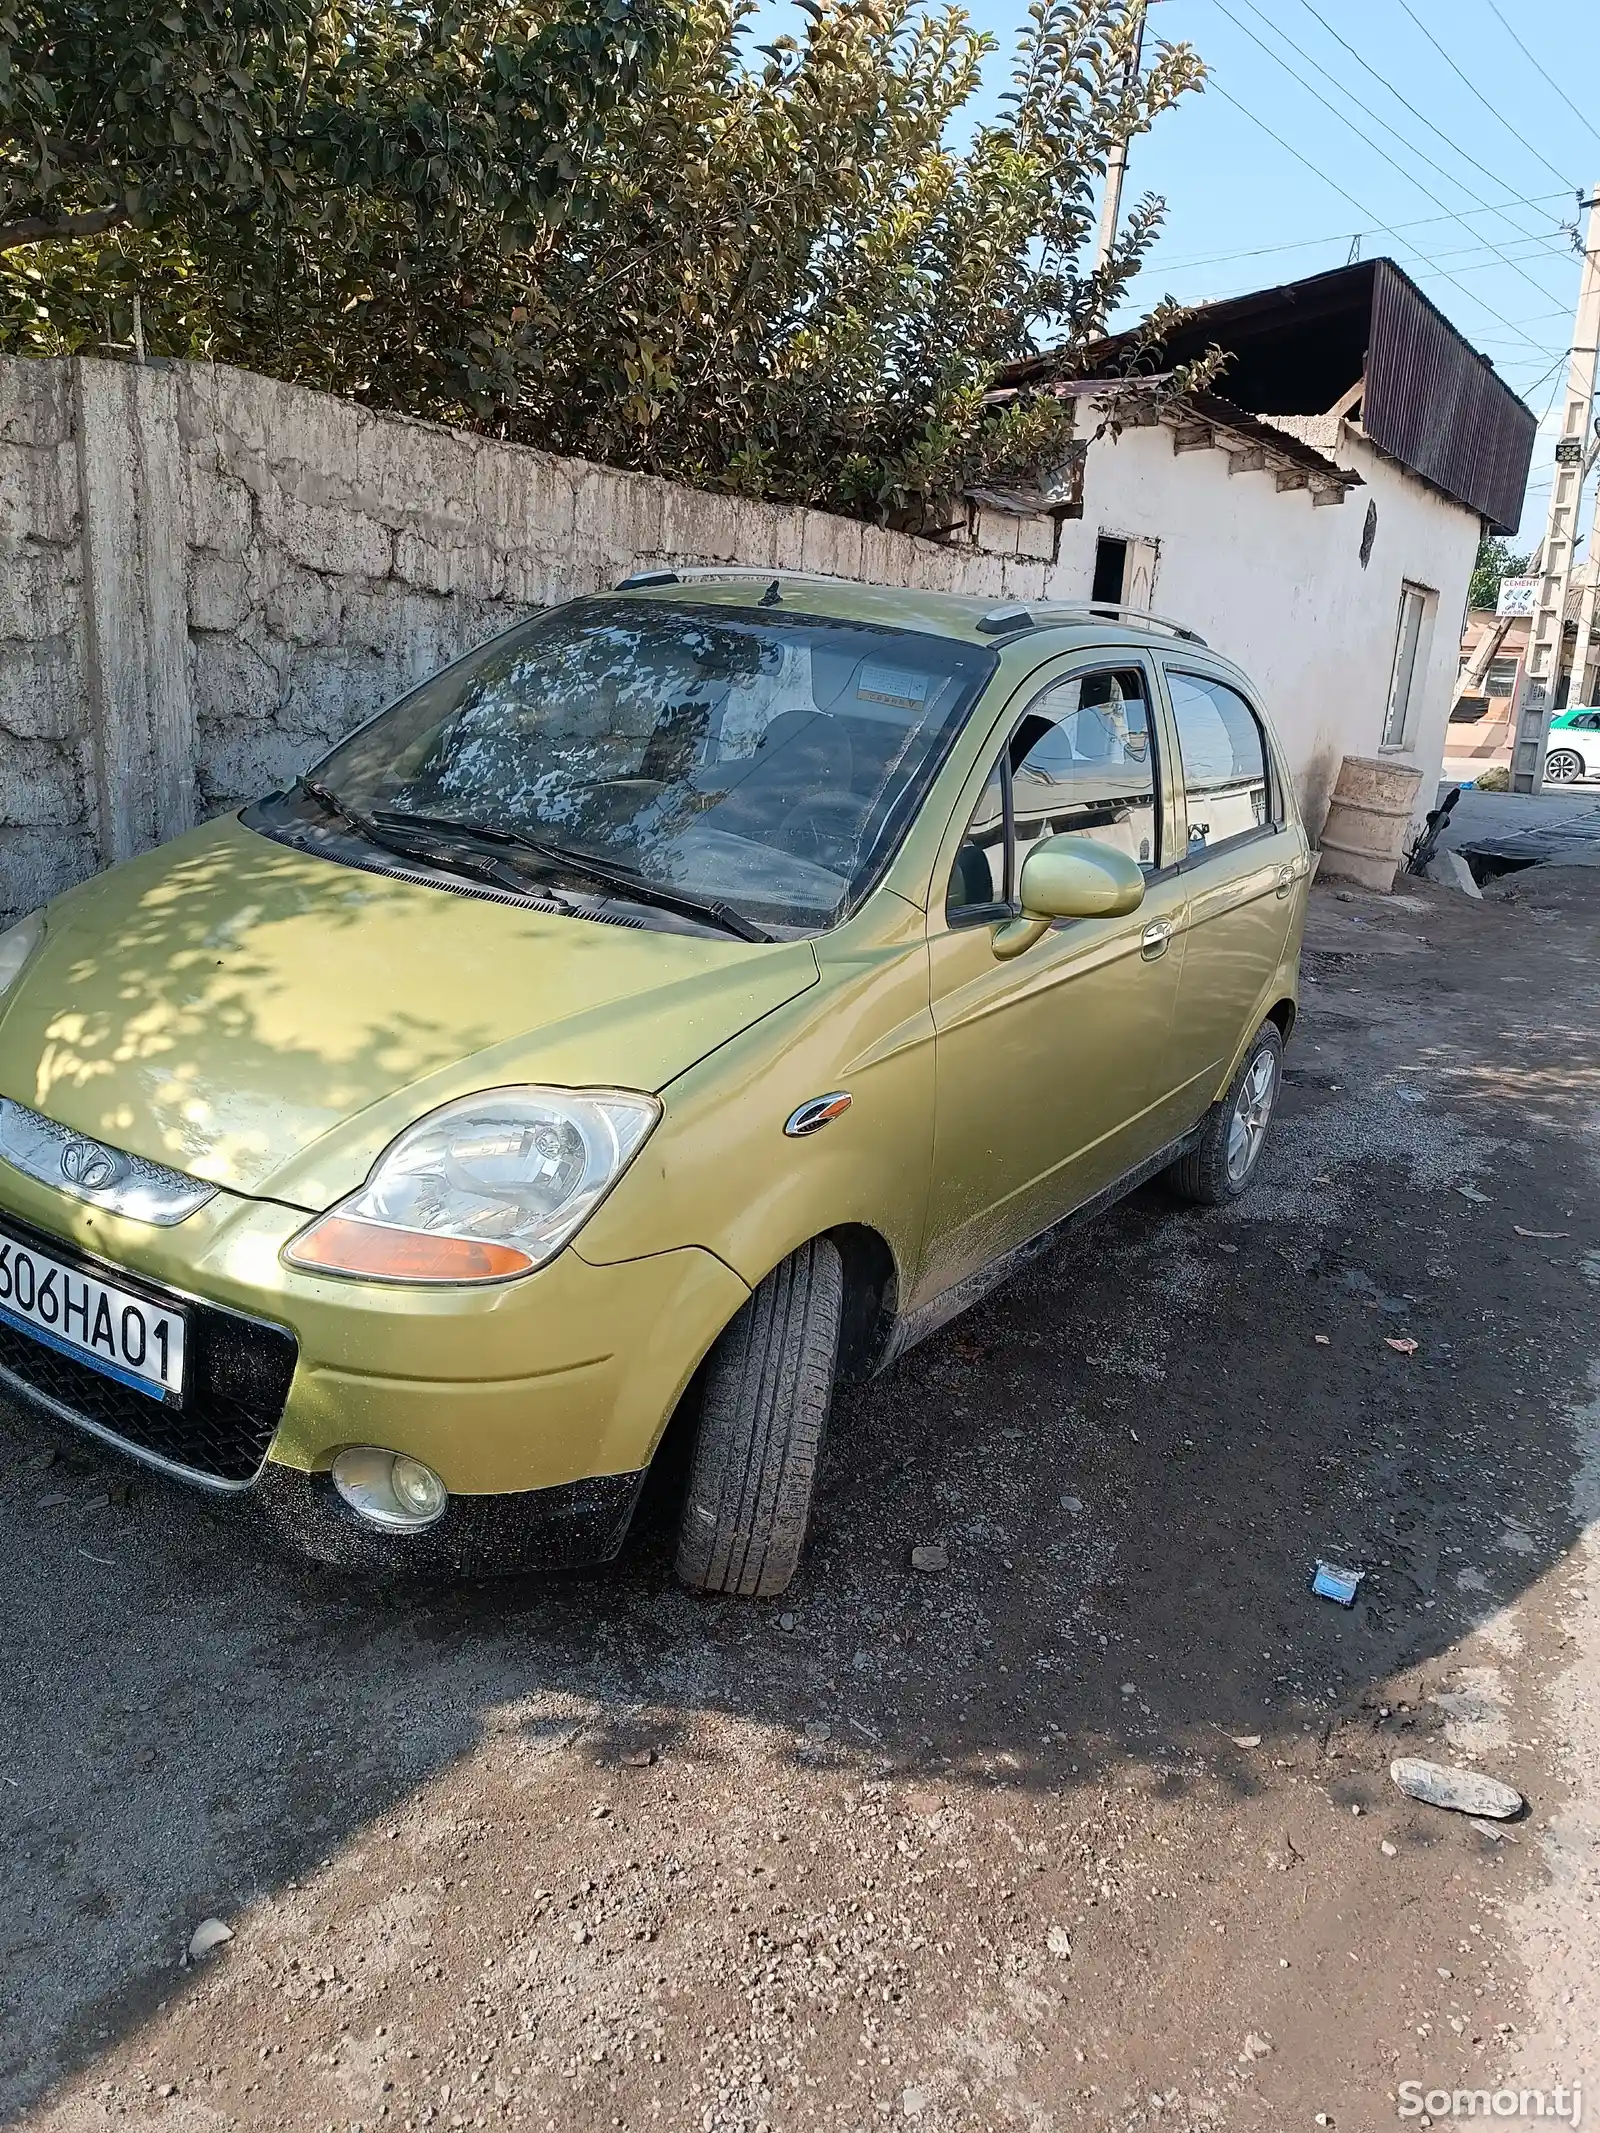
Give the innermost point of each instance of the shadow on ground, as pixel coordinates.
(1134, 1456)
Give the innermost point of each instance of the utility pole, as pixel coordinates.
(1117, 161)
(1583, 689)
(1583, 652)
(1543, 671)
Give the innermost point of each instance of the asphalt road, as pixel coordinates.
(1093, 1829)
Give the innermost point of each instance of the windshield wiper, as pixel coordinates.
(405, 847)
(623, 879)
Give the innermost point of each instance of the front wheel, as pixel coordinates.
(1222, 1163)
(768, 1389)
(1562, 766)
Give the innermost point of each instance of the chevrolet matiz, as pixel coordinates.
(676, 1007)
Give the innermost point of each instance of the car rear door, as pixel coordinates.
(1243, 855)
(1049, 1067)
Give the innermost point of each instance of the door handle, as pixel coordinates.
(1285, 880)
(1153, 941)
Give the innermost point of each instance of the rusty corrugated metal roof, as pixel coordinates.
(1437, 406)
(1431, 401)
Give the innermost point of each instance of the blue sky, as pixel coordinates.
(1504, 100)
(1506, 276)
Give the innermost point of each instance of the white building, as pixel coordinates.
(1315, 515)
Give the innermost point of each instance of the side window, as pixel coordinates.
(1080, 762)
(1082, 766)
(981, 876)
(1224, 757)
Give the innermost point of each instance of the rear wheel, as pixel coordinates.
(768, 1389)
(1222, 1163)
(1562, 765)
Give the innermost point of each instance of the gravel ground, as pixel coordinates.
(1091, 1829)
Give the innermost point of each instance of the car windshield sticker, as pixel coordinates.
(905, 689)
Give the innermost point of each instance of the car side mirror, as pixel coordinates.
(1070, 877)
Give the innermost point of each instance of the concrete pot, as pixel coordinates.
(1365, 831)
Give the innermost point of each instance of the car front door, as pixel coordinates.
(1049, 1067)
(1243, 855)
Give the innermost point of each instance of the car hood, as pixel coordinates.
(269, 1020)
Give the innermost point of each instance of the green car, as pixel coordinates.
(677, 1006)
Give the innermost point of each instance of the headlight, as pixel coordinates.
(17, 943)
(485, 1189)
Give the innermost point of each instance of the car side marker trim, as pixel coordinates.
(818, 1112)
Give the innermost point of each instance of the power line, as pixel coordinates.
(1372, 220)
(1528, 56)
(1467, 259)
(1497, 115)
(1301, 244)
(1366, 138)
(1401, 98)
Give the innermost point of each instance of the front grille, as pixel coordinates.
(237, 1374)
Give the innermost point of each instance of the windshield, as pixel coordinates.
(764, 761)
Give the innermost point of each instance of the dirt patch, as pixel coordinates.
(1091, 1829)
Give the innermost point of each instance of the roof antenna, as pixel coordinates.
(773, 594)
(1355, 250)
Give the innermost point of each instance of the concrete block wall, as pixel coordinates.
(208, 577)
(47, 802)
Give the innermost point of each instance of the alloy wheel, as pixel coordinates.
(1247, 1128)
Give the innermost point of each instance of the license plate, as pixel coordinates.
(123, 1336)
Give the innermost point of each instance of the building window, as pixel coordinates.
(1412, 643)
(1503, 676)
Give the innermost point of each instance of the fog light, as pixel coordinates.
(387, 1489)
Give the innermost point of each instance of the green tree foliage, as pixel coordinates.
(1495, 561)
(792, 269)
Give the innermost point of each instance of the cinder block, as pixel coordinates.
(39, 492)
(984, 576)
(882, 562)
(528, 494)
(527, 576)
(239, 765)
(43, 691)
(465, 564)
(697, 528)
(219, 588)
(233, 683)
(1036, 537)
(36, 864)
(39, 784)
(220, 516)
(417, 474)
(998, 532)
(41, 593)
(329, 538)
(1025, 581)
(619, 515)
(35, 401)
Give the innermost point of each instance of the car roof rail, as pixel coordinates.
(763, 573)
(998, 622)
(1039, 614)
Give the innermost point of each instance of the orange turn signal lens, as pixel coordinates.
(339, 1245)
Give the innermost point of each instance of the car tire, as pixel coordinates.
(1563, 765)
(767, 1390)
(1217, 1169)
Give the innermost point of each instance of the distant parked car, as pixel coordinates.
(1574, 747)
(691, 997)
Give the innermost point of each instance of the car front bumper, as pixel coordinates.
(538, 1403)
